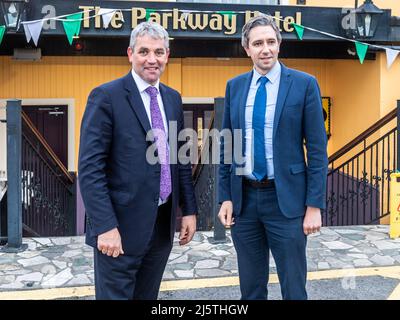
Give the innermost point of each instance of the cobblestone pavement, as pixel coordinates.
(67, 261)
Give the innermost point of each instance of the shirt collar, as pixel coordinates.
(272, 75)
(143, 85)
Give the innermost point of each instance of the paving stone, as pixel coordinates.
(323, 265)
(34, 276)
(202, 254)
(229, 265)
(382, 260)
(385, 244)
(61, 241)
(7, 279)
(58, 279)
(12, 286)
(220, 252)
(28, 254)
(79, 280)
(358, 255)
(354, 237)
(328, 231)
(184, 273)
(33, 261)
(207, 264)
(168, 275)
(211, 273)
(335, 245)
(43, 241)
(60, 264)
(345, 232)
(181, 259)
(71, 253)
(183, 266)
(362, 263)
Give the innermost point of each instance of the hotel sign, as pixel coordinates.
(191, 20)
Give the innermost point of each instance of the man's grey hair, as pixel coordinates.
(260, 20)
(151, 29)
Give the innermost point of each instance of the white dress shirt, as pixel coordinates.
(272, 87)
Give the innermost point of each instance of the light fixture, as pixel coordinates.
(367, 18)
(12, 11)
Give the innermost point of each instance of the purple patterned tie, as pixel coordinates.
(157, 125)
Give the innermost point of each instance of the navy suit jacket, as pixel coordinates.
(119, 187)
(300, 179)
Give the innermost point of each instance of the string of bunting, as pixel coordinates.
(72, 26)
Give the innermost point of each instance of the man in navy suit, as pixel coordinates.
(131, 201)
(272, 199)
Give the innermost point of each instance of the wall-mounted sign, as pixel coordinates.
(326, 108)
(191, 20)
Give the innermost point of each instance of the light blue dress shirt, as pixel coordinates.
(272, 87)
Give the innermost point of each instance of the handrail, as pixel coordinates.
(54, 157)
(372, 129)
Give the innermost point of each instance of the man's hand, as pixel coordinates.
(109, 243)
(312, 220)
(225, 214)
(188, 228)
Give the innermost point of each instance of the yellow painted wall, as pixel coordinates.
(361, 94)
(383, 4)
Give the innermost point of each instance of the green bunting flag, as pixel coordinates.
(2, 31)
(148, 12)
(228, 13)
(72, 28)
(361, 49)
(299, 30)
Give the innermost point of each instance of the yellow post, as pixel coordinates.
(394, 205)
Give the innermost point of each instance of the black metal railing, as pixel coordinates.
(48, 189)
(205, 178)
(358, 185)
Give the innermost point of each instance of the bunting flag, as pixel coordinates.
(73, 27)
(299, 30)
(361, 49)
(148, 12)
(33, 30)
(391, 55)
(228, 13)
(107, 15)
(2, 31)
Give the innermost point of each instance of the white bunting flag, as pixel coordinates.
(122, 15)
(32, 30)
(391, 55)
(107, 15)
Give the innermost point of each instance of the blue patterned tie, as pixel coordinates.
(259, 108)
(161, 140)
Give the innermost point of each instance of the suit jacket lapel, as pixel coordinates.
(136, 102)
(284, 86)
(168, 106)
(242, 107)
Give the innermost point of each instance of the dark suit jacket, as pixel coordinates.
(119, 187)
(298, 119)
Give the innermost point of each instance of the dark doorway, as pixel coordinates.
(52, 123)
(198, 117)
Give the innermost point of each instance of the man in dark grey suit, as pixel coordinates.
(130, 202)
